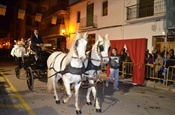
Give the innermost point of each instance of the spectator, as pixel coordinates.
(158, 65)
(122, 56)
(169, 61)
(171, 54)
(155, 53)
(114, 64)
(127, 57)
(149, 59)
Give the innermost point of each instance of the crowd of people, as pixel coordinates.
(160, 60)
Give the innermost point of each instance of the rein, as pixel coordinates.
(53, 63)
(95, 59)
(88, 85)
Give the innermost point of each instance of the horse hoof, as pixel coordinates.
(57, 102)
(63, 101)
(89, 103)
(98, 110)
(78, 112)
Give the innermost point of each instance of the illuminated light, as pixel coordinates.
(64, 33)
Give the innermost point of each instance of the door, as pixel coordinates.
(90, 14)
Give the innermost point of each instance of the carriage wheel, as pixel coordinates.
(30, 78)
(17, 72)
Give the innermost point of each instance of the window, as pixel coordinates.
(105, 8)
(78, 16)
(146, 8)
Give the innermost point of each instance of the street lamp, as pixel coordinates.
(64, 33)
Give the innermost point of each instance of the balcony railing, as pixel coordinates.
(135, 11)
(84, 23)
(61, 6)
(52, 31)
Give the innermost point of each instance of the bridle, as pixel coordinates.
(75, 49)
(99, 49)
(90, 66)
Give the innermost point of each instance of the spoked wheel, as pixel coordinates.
(17, 72)
(30, 78)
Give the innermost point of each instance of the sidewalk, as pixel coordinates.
(150, 83)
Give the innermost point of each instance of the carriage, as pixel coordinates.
(33, 68)
(36, 68)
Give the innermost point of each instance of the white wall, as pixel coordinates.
(115, 22)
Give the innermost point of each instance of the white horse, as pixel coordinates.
(69, 67)
(96, 57)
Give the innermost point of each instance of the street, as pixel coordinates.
(129, 100)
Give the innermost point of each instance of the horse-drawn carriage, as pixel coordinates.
(71, 68)
(27, 63)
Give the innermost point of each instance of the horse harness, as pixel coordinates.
(91, 66)
(68, 69)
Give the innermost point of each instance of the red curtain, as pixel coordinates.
(136, 49)
(119, 44)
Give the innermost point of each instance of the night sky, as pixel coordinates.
(5, 20)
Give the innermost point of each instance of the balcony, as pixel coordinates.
(136, 13)
(50, 32)
(88, 24)
(55, 9)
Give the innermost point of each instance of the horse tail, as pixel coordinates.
(49, 82)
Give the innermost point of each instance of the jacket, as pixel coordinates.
(115, 61)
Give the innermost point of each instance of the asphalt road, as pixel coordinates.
(17, 99)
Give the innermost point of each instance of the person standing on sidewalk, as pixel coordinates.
(114, 64)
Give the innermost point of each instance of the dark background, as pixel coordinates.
(6, 20)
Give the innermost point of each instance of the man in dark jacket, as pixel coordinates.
(114, 64)
(36, 42)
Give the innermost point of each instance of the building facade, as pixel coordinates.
(54, 24)
(121, 19)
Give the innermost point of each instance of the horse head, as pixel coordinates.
(80, 45)
(103, 47)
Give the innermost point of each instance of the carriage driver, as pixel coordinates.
(36, 42)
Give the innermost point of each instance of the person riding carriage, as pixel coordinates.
(36, 43)
(18, 51)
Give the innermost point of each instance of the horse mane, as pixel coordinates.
(104, 39)
(72, 50)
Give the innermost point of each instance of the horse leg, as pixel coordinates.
(51, 84)
(94, 92)
(88, 101)
(68, 90)
(77, 87)
(55, 81)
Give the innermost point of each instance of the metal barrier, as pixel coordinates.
(150, 72)
(127, 69)
(170, 77)
(166, 77)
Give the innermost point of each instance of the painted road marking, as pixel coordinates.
(21, 99)
(19, 106)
